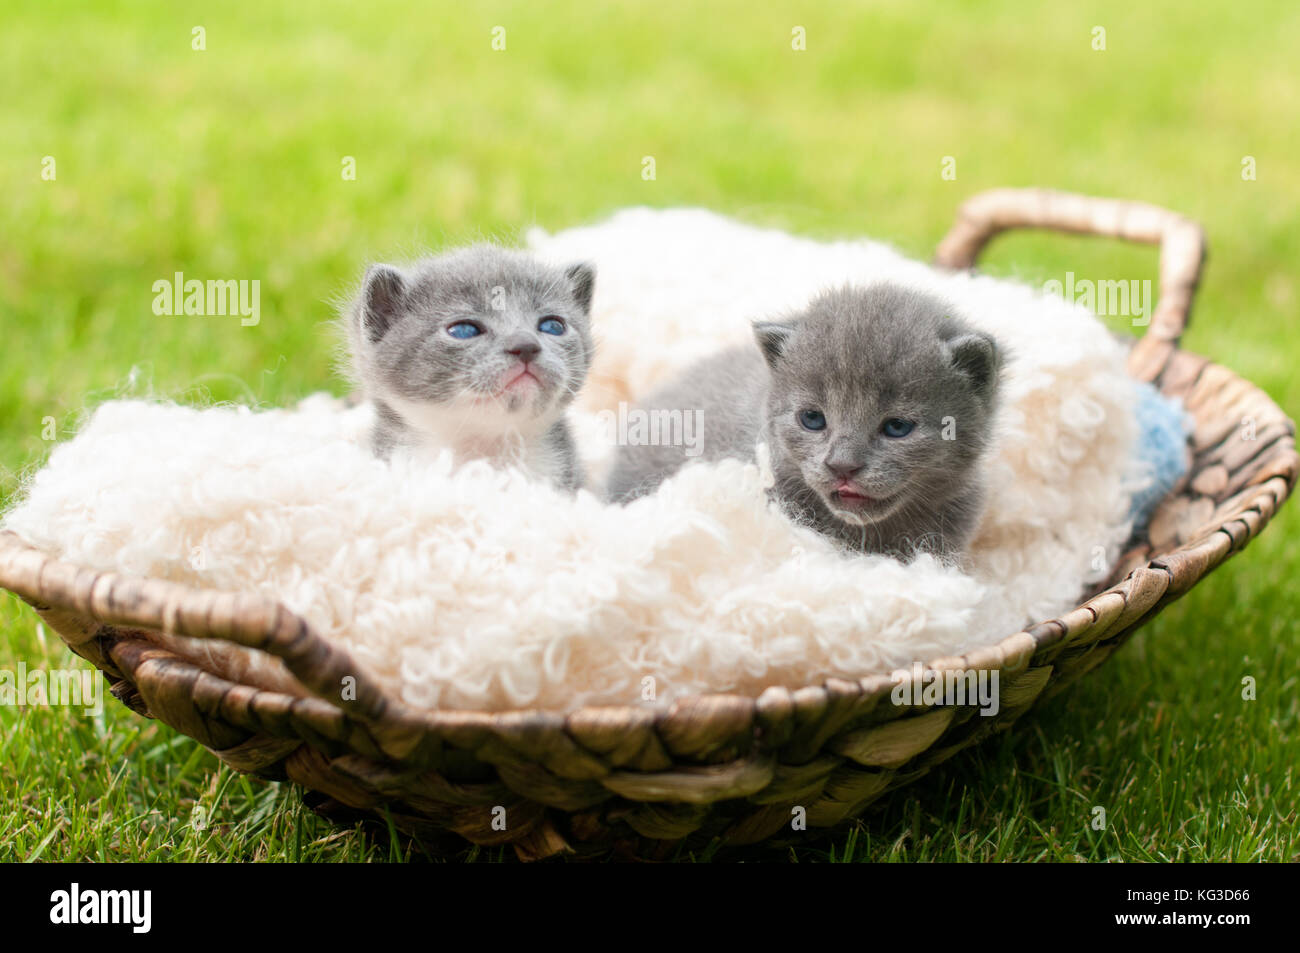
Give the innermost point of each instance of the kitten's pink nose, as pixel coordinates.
(524, 348)
(842, 469)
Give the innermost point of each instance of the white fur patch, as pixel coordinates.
(473, 587)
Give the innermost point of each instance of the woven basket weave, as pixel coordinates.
(718, 766)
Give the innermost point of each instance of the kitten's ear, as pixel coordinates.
(976, 355)
(582, 278)
(382, 293)
(772, 338)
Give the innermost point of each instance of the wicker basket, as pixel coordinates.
(725, 766)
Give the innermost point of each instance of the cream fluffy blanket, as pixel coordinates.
(479, 589)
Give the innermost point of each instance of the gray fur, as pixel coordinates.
(860, 356)
(430, 389)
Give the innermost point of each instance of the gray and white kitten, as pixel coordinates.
(876, 405)
(480, 350)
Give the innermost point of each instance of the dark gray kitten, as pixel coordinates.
(876, 405)
(480, 350)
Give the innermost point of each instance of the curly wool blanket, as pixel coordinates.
(476, 588)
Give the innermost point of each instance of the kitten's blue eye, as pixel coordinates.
(551, 325)
(897, 427)
(812, 419)
(464, 329)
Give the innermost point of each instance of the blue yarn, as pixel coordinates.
(1161, 449)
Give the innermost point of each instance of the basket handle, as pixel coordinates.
(1181, 241)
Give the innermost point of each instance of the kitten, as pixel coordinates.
(480, 350)
(876, 406)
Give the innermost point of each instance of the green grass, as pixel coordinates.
(226, 163)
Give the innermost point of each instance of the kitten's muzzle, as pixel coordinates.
(524, 348)
(843, 492)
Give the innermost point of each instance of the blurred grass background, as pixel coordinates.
(227, 162)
